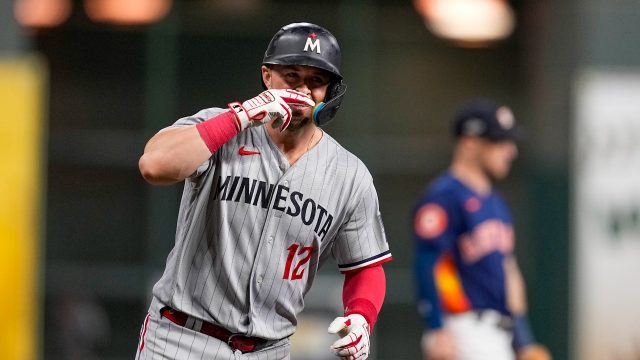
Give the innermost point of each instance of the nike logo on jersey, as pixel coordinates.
(243, 152)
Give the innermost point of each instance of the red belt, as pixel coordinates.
(236, 341)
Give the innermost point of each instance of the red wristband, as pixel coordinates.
(365, 308)
(216, 131)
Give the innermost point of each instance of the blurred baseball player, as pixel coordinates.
(471, 294)
(263, 207)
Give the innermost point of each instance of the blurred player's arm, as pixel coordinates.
(524, 343)
(516, 292)
(436, 343)
(435, 222)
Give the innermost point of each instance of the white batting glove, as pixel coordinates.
(354, 337)
(268, 105)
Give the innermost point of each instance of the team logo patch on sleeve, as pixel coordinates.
(472, 204)
(431, 221)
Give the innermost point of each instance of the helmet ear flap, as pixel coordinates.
(324, 112)
(335, 89)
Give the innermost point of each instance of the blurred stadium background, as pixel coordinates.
(84, 238)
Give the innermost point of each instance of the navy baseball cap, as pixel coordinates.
(486, 119)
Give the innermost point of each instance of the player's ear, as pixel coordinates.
(266, 76)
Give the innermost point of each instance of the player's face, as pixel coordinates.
(497, 157)
(306, 79)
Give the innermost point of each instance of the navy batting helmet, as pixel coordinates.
(311, 45)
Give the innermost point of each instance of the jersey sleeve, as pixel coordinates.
(361, 241)
(435, 228)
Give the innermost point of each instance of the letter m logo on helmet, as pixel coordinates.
(313, 43)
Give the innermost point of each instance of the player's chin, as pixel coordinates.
(299, 118)
(298, 122)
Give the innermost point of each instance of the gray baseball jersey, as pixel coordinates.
(253, 231)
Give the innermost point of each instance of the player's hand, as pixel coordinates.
(438, 345)
(534, 352)
(269, 105)
(354, 337)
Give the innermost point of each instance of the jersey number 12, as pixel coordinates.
(304, 255)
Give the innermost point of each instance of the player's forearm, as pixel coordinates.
(515, 287)
(517, 304)
(173, 155)
(364, 292)
(428, 299)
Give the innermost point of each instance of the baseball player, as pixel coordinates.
(268, 198)
(471, 294)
